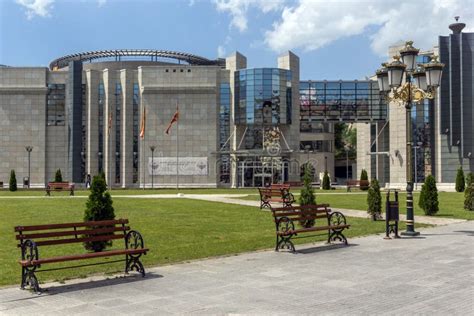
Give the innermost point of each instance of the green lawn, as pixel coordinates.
(83, 192)
(451, 204)
(175, 230)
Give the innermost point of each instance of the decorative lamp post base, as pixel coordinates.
(410, 233)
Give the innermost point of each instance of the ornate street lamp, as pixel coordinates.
(420, 83)
(152, 148)
(29, 149)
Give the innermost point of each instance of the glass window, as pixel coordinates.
(266, 85)
(56, 105)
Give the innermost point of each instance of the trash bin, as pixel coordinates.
(392, 211)
(26, 182)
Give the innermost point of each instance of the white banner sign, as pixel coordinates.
(188, 166)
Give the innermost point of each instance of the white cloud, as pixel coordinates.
(221, 52)
(101, 3)
(238, 9)
(36, 7)
(191, 3)
(312, 24)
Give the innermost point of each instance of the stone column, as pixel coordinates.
(292, 132)
(126, 168)
(233, 63)
(109, 136)
(92, 122)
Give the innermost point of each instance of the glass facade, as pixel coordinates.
(262, 96)
(56, 104)
(118, 120)
(224, 132)
(340, 101)
(136, 104)
(423, 134)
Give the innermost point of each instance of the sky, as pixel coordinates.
(335, 39)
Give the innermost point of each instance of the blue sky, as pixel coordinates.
(334, 39)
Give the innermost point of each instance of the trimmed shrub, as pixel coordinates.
(363, 176)
(12, 186)
(307, 196)
(98, 208)
(460, 180)
(374, 200)
(326, 181)
(58, 177)
(469, 193)
(429, 196)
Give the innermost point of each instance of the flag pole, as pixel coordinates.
(177, 149)
(142, 136)
(143, 161)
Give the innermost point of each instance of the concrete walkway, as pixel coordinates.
(429, 275)
(234, 199)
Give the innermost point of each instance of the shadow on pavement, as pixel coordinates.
(467, 232)
(73, 287)
(324, 248)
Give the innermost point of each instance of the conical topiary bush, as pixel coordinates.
(98, 208)
(429, 196)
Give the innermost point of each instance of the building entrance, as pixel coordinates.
(261, 171)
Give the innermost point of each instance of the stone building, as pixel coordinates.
(237, 126)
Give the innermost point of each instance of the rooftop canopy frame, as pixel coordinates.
(119, 53)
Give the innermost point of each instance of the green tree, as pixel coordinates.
(12, 186)
(58, 177)
(429, 196)
(326, 181)
(364, 178)
(345, 139)
(307, 196)
(460, 180)
(469, 193)
(98, 208)
(374, 200)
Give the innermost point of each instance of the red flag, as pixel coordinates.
(173, 119)
(142, 124)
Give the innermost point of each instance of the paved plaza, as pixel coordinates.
(429, 275)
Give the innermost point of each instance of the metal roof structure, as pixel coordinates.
(119, 53)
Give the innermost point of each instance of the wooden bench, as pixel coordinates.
(277, 195)
(357, 184)
(59, 186)
(31, 238)
(292, 221)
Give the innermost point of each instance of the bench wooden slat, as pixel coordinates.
(306, 217)
(73, 232)
(91, 255)
(71, 225)
(74, 240)
(299, 213)
(300, 207)
(311, 229)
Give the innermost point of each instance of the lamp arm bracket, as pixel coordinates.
(409, 91)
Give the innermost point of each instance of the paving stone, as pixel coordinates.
(433, 274)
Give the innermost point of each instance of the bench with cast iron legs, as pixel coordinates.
(32, 238)
(59, 186)
(309, 218)
(275, 195)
